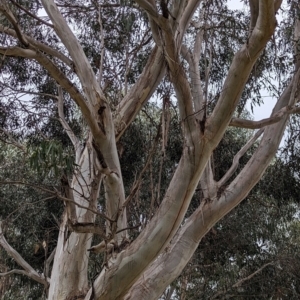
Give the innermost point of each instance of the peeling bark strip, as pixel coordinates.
(144, 267)
(99, 155)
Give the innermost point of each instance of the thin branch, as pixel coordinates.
(31, 14)
(128, 228)
(23, 91)
(137, 182)
(28, 270)
(51, 256)
(48, 261)
(102, 48)
(236, 122)
(9, 15)
(58, 196)
(65, 83)
(14, 271)
(240, 282)
(180, 83)
(12, 140)
(65, 125)
(237, 157)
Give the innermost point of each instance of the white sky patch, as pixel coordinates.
(235, 4)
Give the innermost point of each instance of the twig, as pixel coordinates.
(11, 18)
(58, 196)
(237, 157)
(65, 125)
(101, 46)
(12, 140)
(30, 14)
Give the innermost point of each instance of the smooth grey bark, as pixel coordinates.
(170, 264)
(163, 248)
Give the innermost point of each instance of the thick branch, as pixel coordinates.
(163, 270)
(28, 270)
(254, 10)
(240, 69)
(149, 7)
(266, 16)
(181, 86)
(17, 51)
(47, 49)
(141, 92)
(178, 8)
(84, 69)
(65, 83)
(187, 15)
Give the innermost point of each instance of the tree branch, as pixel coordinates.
(9, 15)
(236, 122)
(254, 10)
(240, 282)
(12, 140)
(102, 49)
(65, 125)
(59, 197)
(48, 262)
(187, 15)
(30, 14)
(187, 238)
(84, 70)
(65, 83)
(17, 51)
(237, 157)
(181, 85)
(240, 69)
(266, 16)
(149, 7)
(141, 92)
(28, 270)
(39, 45)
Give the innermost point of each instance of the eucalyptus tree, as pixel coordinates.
(94, 66)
